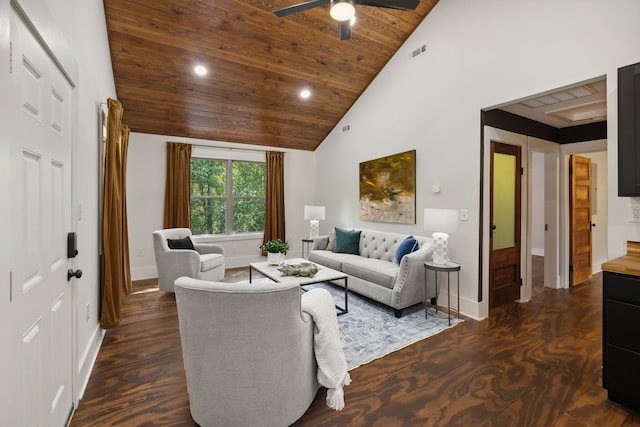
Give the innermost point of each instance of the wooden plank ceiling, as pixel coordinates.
(258, 64)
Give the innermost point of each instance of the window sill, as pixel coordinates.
(211, 238)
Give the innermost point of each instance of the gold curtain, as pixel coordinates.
(116, 274)
(274, 218)
(177, 202)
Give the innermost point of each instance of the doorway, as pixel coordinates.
(38, 310)
(524, 123)
(505, 224)
(580, 253)
(596, 152)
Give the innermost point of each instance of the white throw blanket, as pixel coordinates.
(332, 363)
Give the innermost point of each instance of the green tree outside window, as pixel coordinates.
(227, 196)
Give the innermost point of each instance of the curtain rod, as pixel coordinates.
(230, 148)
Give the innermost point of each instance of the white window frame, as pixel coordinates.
(228, 154)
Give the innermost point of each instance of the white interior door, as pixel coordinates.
(40, 323)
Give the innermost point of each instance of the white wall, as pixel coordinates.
(479, 54)
(537, 204)
(84, 27)
(145, 202)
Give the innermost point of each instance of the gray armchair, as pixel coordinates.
(248, 352)
(205, 261)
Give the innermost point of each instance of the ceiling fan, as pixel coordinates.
(343, 10)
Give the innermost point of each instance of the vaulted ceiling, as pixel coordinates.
(257, 66)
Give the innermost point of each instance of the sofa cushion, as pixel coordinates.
(328, 258)
(209, 261)
(377, 271)
(347, 241)
(184, 243)
(408, 245)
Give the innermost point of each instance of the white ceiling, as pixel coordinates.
(573, 105)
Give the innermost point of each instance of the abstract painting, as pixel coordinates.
(388, 189)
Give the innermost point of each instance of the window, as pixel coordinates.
(227, 196)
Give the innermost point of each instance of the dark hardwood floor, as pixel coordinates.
(533, 364)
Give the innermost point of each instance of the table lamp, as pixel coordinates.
(313, 214)
(441, 222)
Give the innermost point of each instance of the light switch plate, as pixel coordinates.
(634, 212)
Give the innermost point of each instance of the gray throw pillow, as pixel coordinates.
(331, 246)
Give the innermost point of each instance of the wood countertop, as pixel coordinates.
(628, 264)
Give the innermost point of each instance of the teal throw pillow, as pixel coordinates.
(408, 245)
(347, 241)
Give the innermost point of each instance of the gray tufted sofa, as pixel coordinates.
(375, 273)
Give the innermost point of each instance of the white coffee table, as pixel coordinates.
(324, 274)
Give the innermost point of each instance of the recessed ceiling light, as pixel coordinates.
(305, 93)
(200, 70)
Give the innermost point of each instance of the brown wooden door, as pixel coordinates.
(580, 253)
(504, 255)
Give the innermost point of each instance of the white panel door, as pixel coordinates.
(40, 300)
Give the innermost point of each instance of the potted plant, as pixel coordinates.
(275, 250)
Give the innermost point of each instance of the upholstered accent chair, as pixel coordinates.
(198, 260)
(248, 352)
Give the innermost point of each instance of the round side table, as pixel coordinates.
(307, 243)
(448, 268)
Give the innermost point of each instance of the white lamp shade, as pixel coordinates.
(314, 212)
(441, 220)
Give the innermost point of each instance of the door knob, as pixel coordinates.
(77, 274)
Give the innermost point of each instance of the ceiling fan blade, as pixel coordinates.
(345, 30)
(391, 4)
(300, 7)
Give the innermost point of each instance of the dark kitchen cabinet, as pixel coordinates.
(621, 329)
(629, 130)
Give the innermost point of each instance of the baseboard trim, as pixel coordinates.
(151, 272)
(141, 273)
(468, 308)
(88, 361)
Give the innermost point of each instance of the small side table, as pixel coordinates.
(449, 267)
(306, 242)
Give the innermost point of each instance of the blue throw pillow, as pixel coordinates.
(347, 242)
(408, 245)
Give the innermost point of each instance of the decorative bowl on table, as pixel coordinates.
(303, 269)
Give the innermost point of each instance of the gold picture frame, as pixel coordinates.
(388, 189)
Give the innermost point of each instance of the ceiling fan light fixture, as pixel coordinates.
(342, 10)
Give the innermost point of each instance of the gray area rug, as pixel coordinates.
(371, 330)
